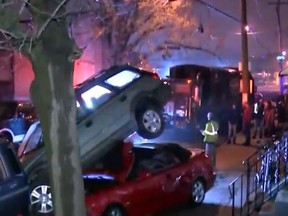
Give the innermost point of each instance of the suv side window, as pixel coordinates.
(122, 79)
(96, 96)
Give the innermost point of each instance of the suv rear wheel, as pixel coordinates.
(150, 122)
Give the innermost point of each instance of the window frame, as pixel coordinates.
(100, 80)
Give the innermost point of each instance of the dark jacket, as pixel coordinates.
(259, 114)
(233, 116)
(247, 115)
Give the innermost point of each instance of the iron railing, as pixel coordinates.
(265, 174)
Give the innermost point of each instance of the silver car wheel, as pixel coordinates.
(42, 198)
(114, 212)
(152, 121)
(198, 192)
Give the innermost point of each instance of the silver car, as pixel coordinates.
(117, 102)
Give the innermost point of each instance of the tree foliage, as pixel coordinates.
(141, 26)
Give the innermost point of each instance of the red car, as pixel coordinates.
(148, 179)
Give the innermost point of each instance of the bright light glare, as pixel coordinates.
(122, 79)
(247, 28)
(180, 113)
(93, 94)
(255, 108)
(77, 104)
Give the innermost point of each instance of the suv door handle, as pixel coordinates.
(123, 98)
(88, 123)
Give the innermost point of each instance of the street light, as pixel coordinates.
(247, 28)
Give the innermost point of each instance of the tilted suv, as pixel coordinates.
(15, 119)
(117, 102)
(110, 106)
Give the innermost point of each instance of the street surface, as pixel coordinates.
(229, 166)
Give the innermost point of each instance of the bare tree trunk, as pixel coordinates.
(53, 95)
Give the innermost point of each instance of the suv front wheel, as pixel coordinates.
(150, 122)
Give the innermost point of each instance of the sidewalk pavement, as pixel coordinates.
(229, 166)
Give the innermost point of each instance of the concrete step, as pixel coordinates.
(277, 206)
(267, 209)
(281, 203)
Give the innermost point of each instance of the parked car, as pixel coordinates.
(15, 119)
(152, 178)
(129, 180)
(110, 106)
(14, 188)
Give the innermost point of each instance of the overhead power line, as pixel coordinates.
(233, 18)
(218, 10)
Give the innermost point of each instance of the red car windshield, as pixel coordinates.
(96, 182)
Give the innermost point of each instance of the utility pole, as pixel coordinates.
(244, 46)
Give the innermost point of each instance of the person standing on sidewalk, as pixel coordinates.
(232, 124)
(211, 137)
(247, 120)
(259, 119)
(269, 118)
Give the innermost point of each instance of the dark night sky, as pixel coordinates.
(221, 35)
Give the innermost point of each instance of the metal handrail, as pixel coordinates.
(256, 181)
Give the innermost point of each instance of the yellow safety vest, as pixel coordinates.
(211, 132)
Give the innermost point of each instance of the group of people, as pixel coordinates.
(261, 120)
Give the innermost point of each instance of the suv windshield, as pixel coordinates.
(96, 182)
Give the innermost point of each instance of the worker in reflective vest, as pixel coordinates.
(210, 138)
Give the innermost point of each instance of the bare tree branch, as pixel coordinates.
(6, 33)
(32, 7)
(7, 4)
(6, 48)
(22, 43)
(43, 27)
